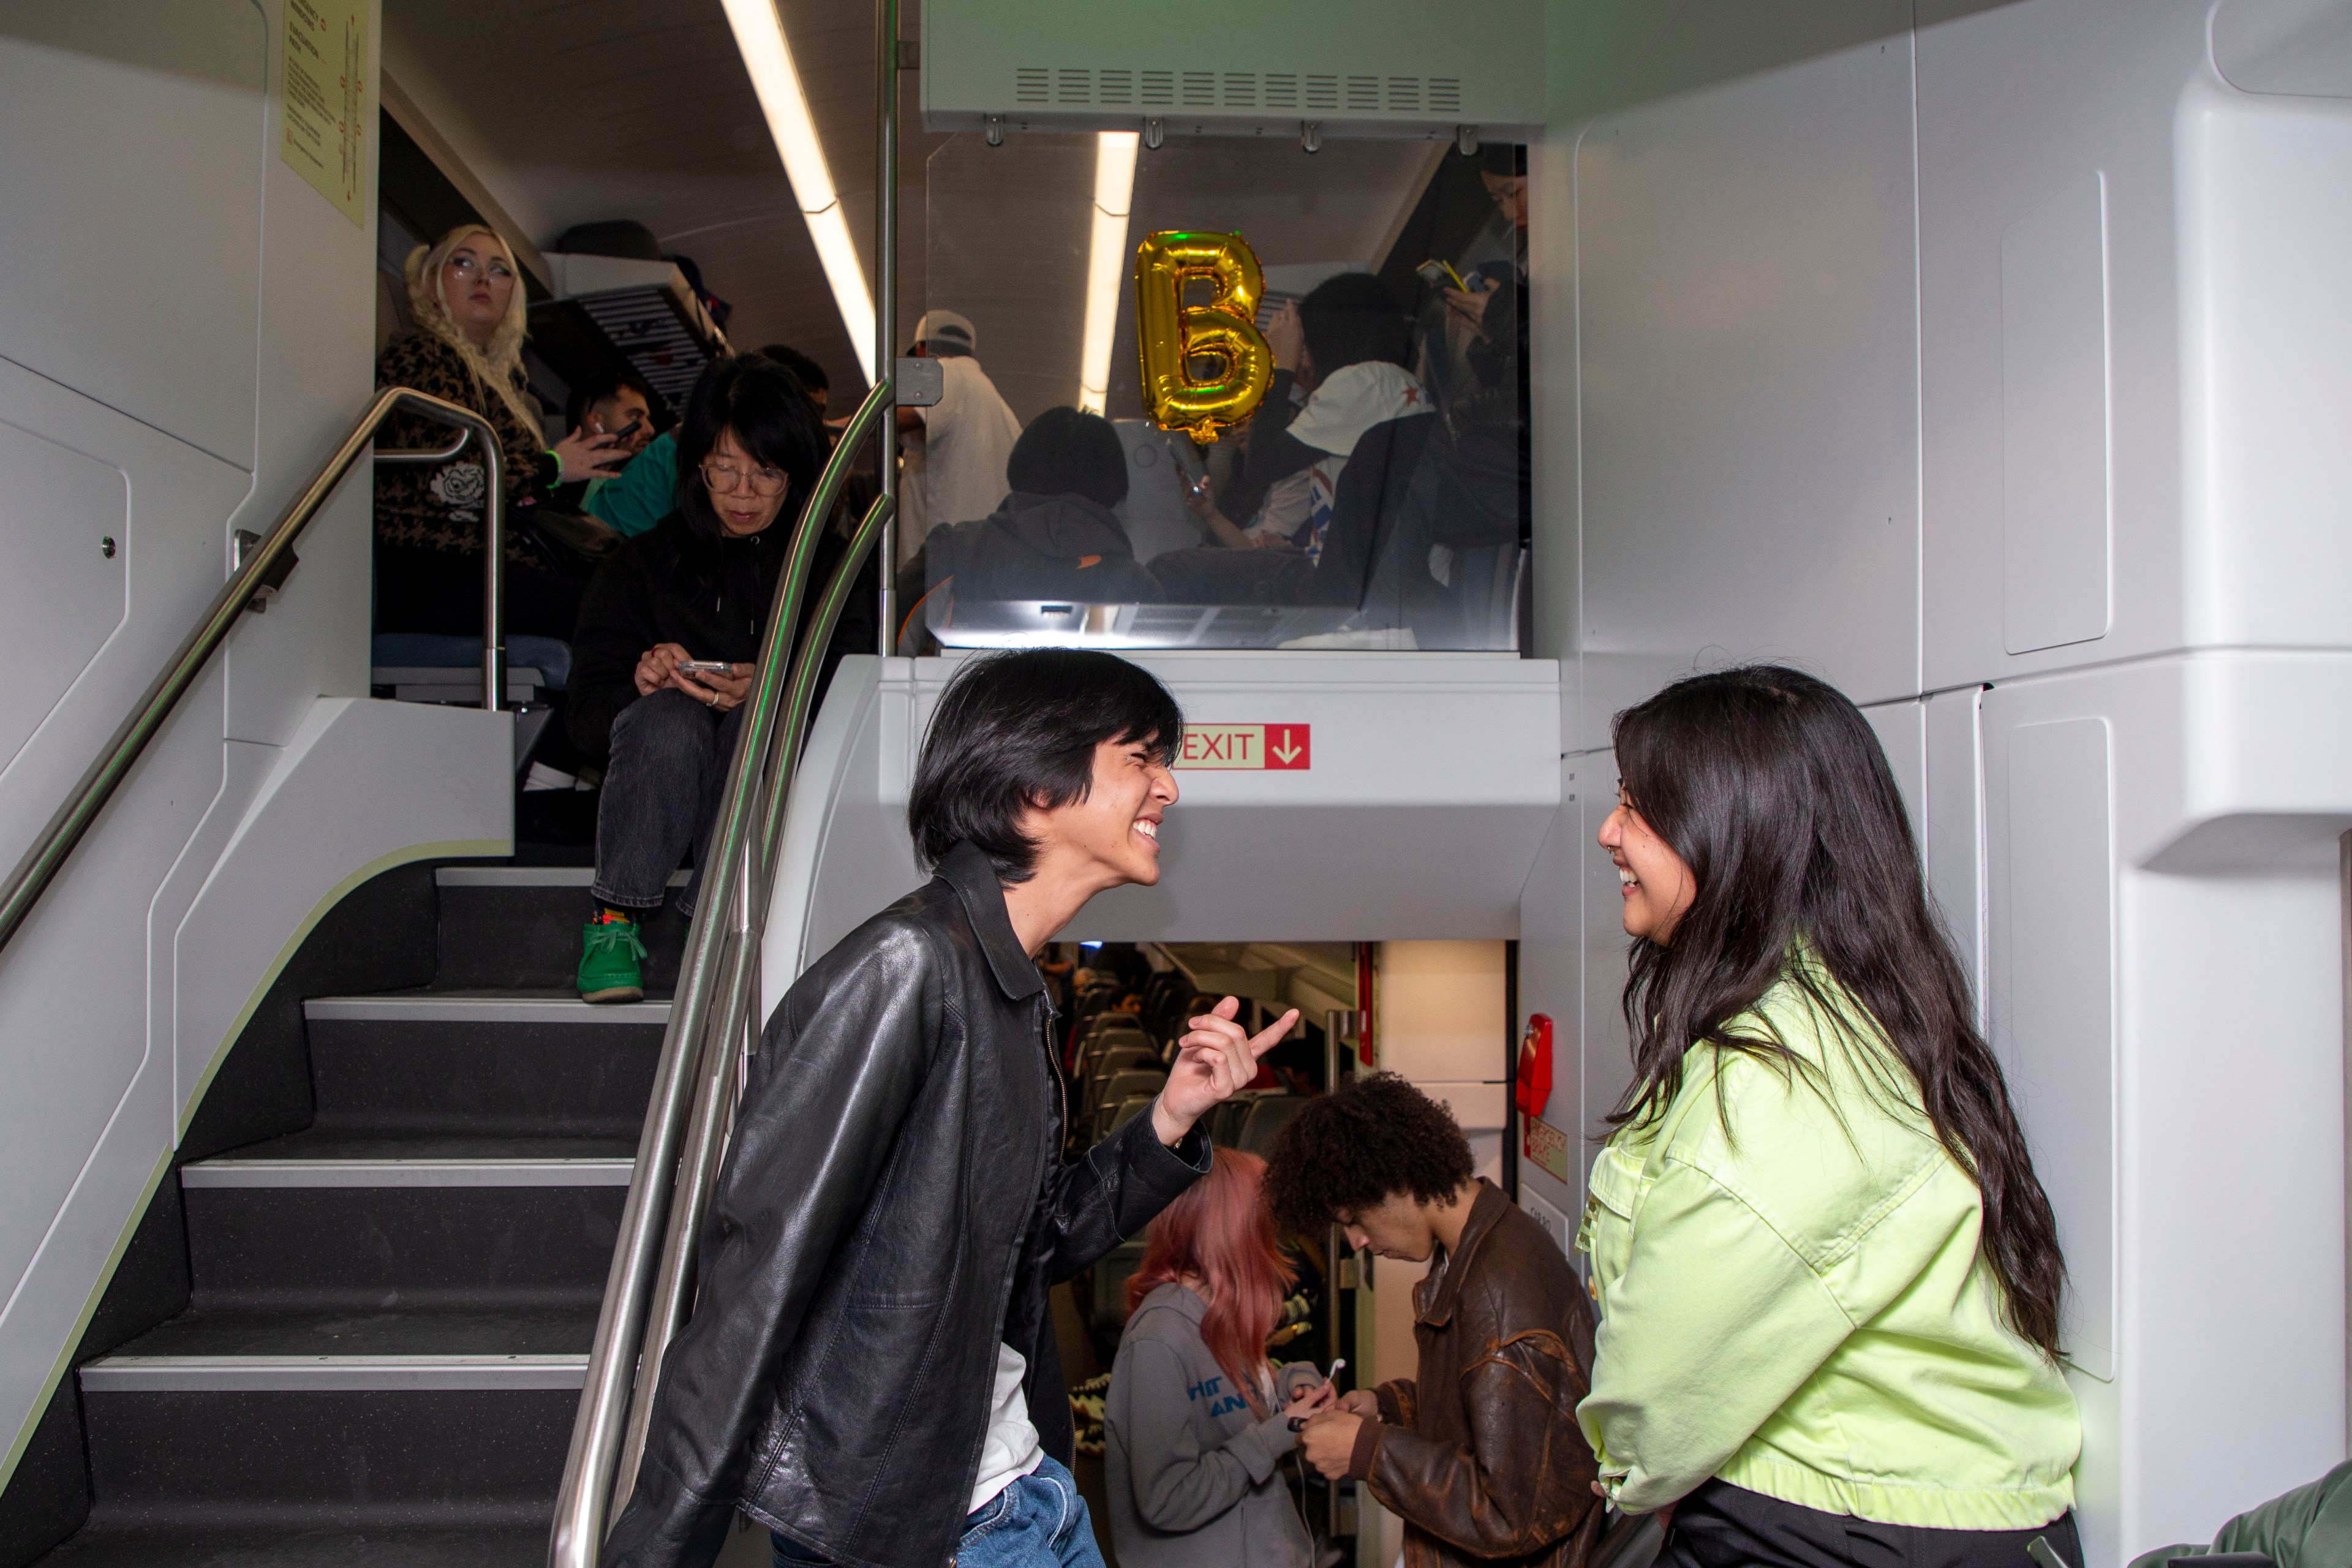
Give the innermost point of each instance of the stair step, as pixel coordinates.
(378, 1418)
(483, 1063)
(121, 1538)
(228, 1171)
(204, 1335)
(329, 1374)
(519, 925)
(482, 1006)
(346, 1234)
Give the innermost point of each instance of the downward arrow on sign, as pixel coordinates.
(1287, 746)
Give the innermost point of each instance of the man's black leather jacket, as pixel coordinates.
(892, 1205)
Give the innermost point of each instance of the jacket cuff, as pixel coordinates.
(1191, 1150)
(1263, 1445)
(1368, 1445)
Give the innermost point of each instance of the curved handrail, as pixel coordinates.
(717, 1073)
(40, 864)
(720, 962)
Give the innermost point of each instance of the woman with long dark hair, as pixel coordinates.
(1828, 1278)
(663, 655)
(1197, 1418)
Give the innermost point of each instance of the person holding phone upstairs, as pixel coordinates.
(870, 1369)
(662, 654)
(1828, 1278)
(1197, 1420)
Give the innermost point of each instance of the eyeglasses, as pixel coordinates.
(724, 478)
(466, 267)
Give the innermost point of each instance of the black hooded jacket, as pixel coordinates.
(893, 1205)
(1042, 547)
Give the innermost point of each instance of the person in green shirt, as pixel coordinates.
(2310, 1527)
(1828, 1278)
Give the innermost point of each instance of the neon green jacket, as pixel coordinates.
(1791, 1299)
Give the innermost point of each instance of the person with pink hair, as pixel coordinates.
(1198, 1418)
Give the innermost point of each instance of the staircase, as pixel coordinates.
(390, 1310)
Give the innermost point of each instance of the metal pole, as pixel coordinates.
(886, 286)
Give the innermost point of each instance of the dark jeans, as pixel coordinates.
(661, 793)
(1721, 1526)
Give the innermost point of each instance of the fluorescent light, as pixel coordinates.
(760, 37)
(1106, 263)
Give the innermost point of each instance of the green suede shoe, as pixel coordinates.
(610, 955)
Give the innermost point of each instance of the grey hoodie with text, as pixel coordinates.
(1194, 1476)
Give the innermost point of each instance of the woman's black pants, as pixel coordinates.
(1722, 1526)
(662, 785)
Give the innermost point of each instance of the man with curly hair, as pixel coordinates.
(1479, 1452)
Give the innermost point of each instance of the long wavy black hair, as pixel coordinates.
(1772, 788)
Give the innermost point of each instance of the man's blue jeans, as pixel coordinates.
(1038, 1521)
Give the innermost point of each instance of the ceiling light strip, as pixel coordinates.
(1106, 263)
(760, 37)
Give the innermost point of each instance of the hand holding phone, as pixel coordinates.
(1322, 1396)
(705, 666)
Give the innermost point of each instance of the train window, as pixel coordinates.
(1375, 498)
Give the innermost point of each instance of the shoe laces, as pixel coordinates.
(612, 933)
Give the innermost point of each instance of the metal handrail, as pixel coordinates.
(720, 964)
(66, 828)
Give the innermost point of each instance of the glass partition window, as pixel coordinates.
(1376, 497)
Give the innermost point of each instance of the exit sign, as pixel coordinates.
(1254, 747)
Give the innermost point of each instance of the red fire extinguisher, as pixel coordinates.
(1534, 1077)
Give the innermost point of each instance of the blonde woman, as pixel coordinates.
(467, 347)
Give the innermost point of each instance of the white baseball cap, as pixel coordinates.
(946, 327)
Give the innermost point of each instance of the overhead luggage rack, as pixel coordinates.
(644, 310)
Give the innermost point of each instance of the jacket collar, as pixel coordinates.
(967, 870)
(1484, 1210)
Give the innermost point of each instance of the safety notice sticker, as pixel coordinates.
(1271, 747)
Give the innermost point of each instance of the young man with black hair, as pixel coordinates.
(870, 1370)
(1478, 1452)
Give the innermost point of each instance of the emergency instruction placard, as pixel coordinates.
(324, 99)
(1273, 748)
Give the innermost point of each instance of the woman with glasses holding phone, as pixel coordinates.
(663, 655)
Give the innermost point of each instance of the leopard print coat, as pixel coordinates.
(439, 507)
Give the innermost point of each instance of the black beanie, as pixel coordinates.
(1066, 451)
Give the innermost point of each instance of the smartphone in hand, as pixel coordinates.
(705, 666)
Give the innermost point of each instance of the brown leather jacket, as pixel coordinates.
(1480, 1454)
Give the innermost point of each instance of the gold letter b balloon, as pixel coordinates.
(1170, 335)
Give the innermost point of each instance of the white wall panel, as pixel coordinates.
(1551, 981)
(1902, 732)
(2053, 422)
(68, 515)
(2022, 109)
(132, 142)
(2050, 822)
(1606, 1070)
(2227, 1357)
(2266, 208)
(1746, 380)
(1955, 827)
